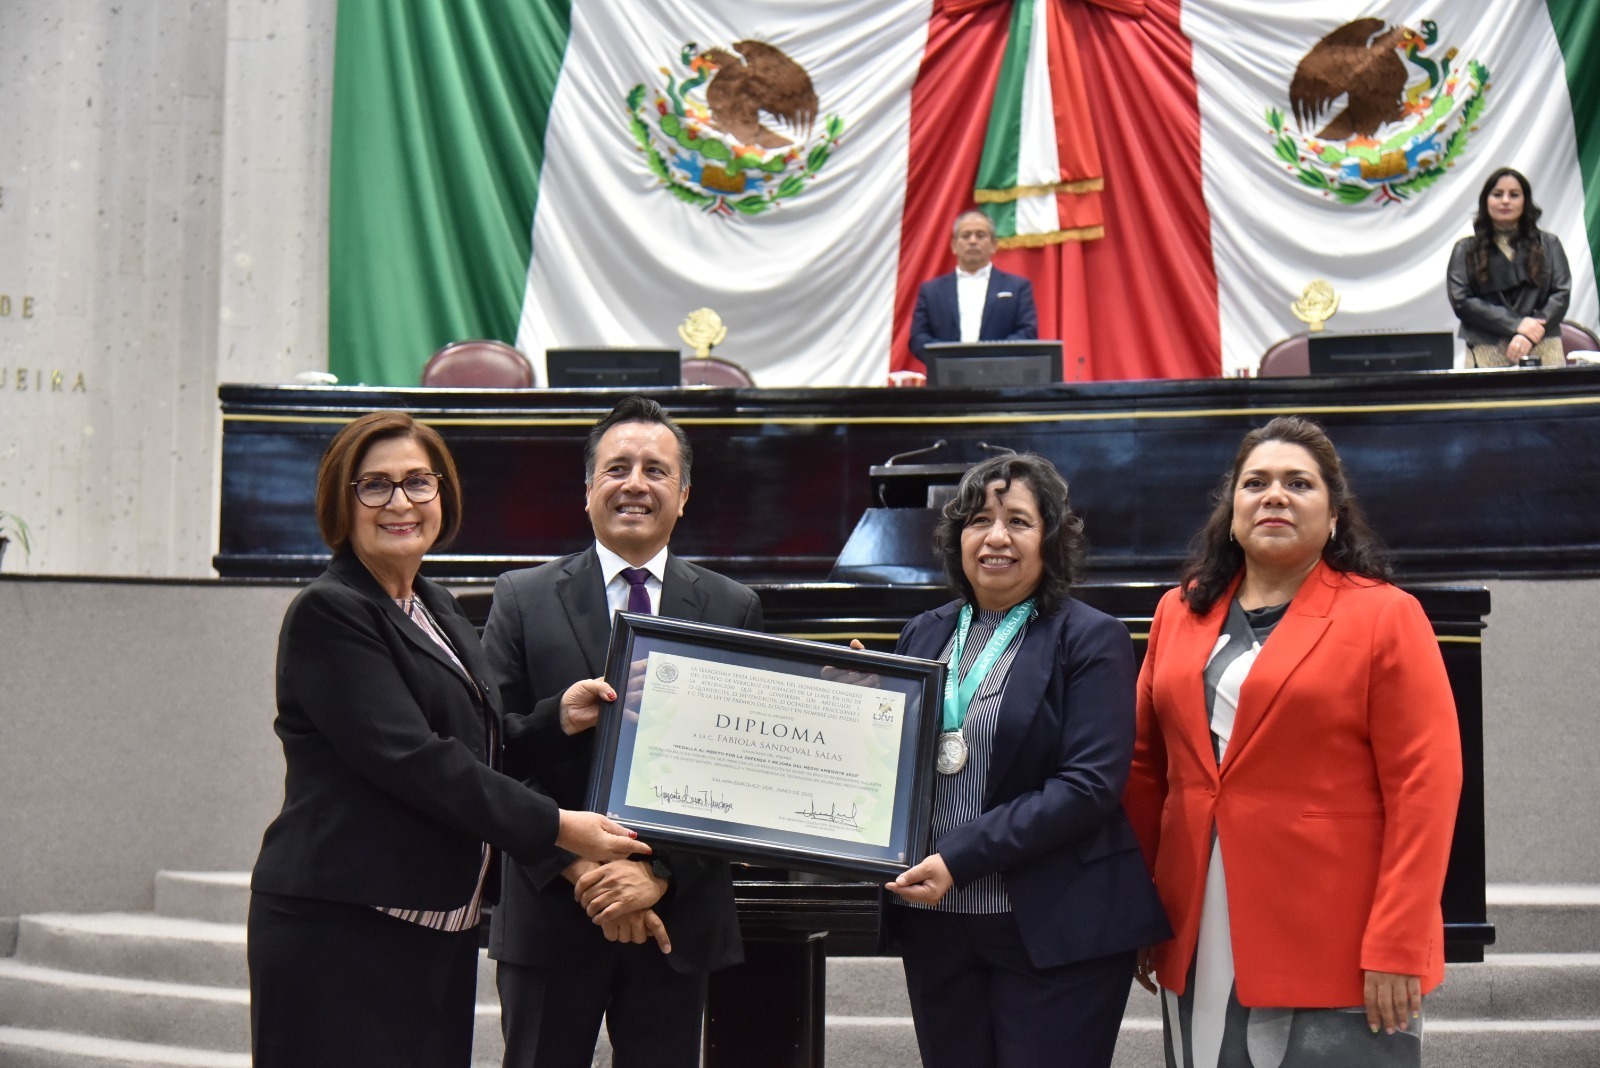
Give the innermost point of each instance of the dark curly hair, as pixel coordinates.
(1214, 558)
(1524, 240)
(1062, 544)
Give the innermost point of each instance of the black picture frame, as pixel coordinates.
(691, 816)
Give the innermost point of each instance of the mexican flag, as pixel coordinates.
(589, 172)
(1294, 195)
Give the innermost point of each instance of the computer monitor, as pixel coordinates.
(993, 363)
(1342, 354)
(612, 368)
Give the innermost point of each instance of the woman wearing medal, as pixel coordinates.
(1019, 931)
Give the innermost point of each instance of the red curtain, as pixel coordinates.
(1137, 303)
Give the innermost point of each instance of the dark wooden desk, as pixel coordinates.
(1466, 474)
(1472, 473)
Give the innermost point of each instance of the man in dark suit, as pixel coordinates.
(974, 302)
(560, 970)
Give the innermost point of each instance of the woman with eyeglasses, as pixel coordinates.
(366, 894)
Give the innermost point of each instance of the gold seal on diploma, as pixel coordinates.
(702, 331)
(1316, 305)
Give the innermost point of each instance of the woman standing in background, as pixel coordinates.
(1509, 282)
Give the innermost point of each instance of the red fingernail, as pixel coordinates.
(611, 697)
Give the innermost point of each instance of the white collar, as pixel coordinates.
(980, 273)
(611, 564)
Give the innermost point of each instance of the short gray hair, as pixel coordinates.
(955, 227)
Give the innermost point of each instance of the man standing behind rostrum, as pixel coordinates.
(976, 301)
(560, 971)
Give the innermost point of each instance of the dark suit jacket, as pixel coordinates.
(550, 627)
(389, 789)
(1008, 311)
(1052, 821)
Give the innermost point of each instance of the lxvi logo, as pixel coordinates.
(704, 132)
(1407, 112)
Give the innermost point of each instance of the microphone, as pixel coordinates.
(916, 452)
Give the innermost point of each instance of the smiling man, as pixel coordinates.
(559, 971)
(974, 302)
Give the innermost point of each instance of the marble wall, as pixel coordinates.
(163, 207)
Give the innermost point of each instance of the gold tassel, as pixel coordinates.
(1054, 237)
(1002, 196)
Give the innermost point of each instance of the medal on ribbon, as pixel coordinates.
(953, 751)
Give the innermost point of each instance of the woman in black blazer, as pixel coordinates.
(1023, 925)
(1509, 283)
(365, 896)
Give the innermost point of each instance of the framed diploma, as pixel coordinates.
(767, 750)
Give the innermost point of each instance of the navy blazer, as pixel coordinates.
(1008, 311)
(549, 627)
(390, 788)
(1052, 822)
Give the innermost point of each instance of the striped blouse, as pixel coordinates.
(465, 917)
(958, 798)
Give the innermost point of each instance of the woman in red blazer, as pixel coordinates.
(1295, 778)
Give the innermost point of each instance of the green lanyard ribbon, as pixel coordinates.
(958, 695)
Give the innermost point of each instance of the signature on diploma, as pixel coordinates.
(832, 815)
(689, 797)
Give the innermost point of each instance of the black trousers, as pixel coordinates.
(551, 1016)
(978, 1002)
(344, 986)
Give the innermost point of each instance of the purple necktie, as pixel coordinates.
(638, 596)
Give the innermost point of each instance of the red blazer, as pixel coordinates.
(1335, 802)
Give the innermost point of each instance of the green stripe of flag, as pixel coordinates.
(1002, 144)
(1577, 26)
(439, 116)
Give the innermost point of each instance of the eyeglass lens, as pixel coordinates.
(375, 492)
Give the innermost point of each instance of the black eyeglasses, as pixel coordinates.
(375, 491)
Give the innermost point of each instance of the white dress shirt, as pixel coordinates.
(617, 587)
(971, 292)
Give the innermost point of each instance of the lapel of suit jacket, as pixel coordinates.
(1025, 686)
(1186, 649)
(946, 308)
(681, 595)
(349, 569)
(991, 305)
(581, 589)
(463, 636)
(1291, 641)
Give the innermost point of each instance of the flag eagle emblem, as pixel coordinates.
(1378, 116)
(733, 129)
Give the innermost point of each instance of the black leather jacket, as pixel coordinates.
(1490, 312)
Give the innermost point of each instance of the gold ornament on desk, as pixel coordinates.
(1316, 305)
(702, 331)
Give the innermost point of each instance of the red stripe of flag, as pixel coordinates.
(1150, 280)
